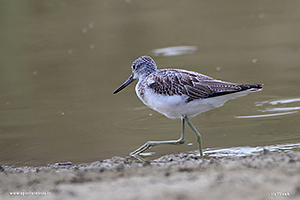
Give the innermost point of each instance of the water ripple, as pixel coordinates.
(278, 110)
(244, 151)
(281, 101)
(281, 109)
(266, 115)
(174, 51)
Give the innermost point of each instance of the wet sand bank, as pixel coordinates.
(270, 175)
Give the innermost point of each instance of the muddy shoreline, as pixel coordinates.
(269, 175)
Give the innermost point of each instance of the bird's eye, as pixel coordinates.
(133, 67)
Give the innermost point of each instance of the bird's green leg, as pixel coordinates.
(197, 134)
(150, 144)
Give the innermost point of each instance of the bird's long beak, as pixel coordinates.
(127, 82)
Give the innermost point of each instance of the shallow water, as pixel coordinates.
(60, 61)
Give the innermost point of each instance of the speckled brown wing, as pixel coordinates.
(201, 86)
(175, 82)
(194, 85)
(167, 83)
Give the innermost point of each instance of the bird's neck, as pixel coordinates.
(145, 74)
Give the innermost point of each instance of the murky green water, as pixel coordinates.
(60, 61)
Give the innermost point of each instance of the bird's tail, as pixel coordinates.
(251, 86)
